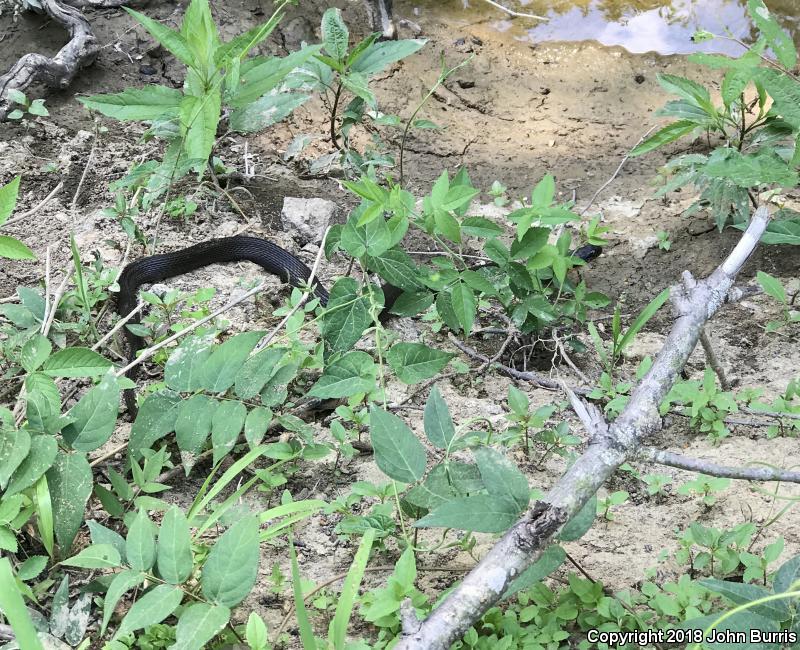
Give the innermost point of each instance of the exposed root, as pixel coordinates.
(59, 71)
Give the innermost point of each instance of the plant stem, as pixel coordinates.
(334, 109)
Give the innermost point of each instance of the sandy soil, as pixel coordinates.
(514, 113)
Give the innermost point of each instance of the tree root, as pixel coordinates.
(59, 71)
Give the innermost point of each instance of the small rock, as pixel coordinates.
(466, 83)
(227, 228)
(307, 219)
(644, 344)
(147, 69)
(639, 78)
(640, 246)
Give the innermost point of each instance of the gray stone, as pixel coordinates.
(306, 219)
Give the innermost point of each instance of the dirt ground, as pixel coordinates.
(513, 113)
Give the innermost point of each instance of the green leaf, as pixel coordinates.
(156, 605)
(226, 425)
(785, 94)
(501, 477)
(398, 452)
(411, 303)
(96, 556)
(137, 104)
(439, 425)
(351, 374)
(741, 593)
(220, 370)
(174, 547)
(359, 86)
(531, 243)
(13, 249)
(552, 558)
(771, 286)
(306, 631)
(262, 76)
(480, 227)
(95, 416)
(257, 371)
(156, 418)
(265, 111)
(346, 316)
(379, 55)
(518, 401)
(140, 544)
(14, 448)
(232, 565)
(76, 362)
(200, 117)
(641, 320)
(198, 624)
(169, 38)
(256, 632)
(668, 134)
(43, 450)
(14, 609)
(416, 362)
(256, 425)
(577, 527)
(43, 403)
(779, 41)
(544, 192)
(750, 170)
(334, 34)
(102, 535)
(464, 305)
(121, 583)
(186, 364)
(480, 513)
(685, 88)
(397, 268)
(70, 481)
(447, 225)
(193, 426)
(35, 352)
(32, 567)
(347, 597)
(8, 199)
(787, 577)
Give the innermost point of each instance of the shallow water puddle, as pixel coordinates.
(663, 26)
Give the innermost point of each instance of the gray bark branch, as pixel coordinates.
(524, 542)
(713, 469)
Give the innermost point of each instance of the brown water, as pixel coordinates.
(663, 26)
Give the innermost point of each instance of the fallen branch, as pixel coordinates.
(524, 542)
(713, 469)
(59, 71)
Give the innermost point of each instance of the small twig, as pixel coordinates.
(516, 14)
(35, 209)
(566, 357)
(713, 469)
(119, 325)
(714, 362)
(771, 414)
(310, 282)
(46, 285)
(78, 189)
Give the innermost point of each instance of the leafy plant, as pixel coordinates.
(706, 486)
(704, 403)
(35, 107)
(11, 248)
(772, 287)
(605, 505)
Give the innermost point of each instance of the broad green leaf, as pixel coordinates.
(43, 403)
(121, 583)
(415, 362)
(346, 316)
(439, 425)
(156, 418)
(347, 597)
(261, 77)
(481, 513)
(43, 450)
(743, 623)
(151, 608)
(198, 624)
(641, 320)
(256, 425)
(741, 593)
(359, 86)
(257, 371)
(8, 199)
(464, 305)
(70, 481)
(169, 38)
(174, 547)
(185, 367)
(219, 371)
(779, 41)
(577, 527)
(480, 227)
(397, 268)
(544, 192)
(785, 94)
(771, 286)
(96, 556)
(552, 558)
(140, 544)
(531, 243)
(265, 111)
(200, 117)
(256, 632)
(226, 425)
(76, 362)
(232, 565)
(35, 352)
(14, 448)
(14, 249)
(787, 577)
(32, 567)
(411, 303)
(102, 535)
(95, 416)
(379, 55)
(306, 631)
(398, 452)
(447, 225)
(750, 170)
(137, 104)
(193, 426)
(668, 134)
(14, 609)
(685, 88)
(351, 374)
(334, 34)
(501, 477)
